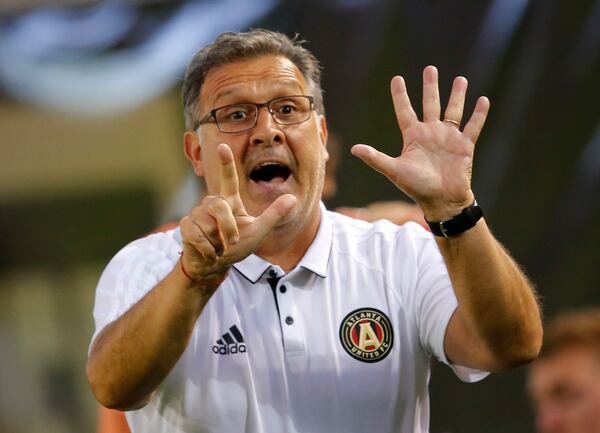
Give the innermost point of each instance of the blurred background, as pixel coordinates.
(91, 158)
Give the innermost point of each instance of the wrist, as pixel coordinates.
(459, 223)
(442, 210)
(207, 282)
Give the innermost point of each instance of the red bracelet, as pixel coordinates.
(184, 272)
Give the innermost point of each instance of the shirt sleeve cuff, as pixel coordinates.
(465, 374)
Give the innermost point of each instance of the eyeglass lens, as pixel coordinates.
(286, 111)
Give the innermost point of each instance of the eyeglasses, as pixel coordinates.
(234, 118)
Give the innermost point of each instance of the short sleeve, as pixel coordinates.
(435, 303)
(132, 273)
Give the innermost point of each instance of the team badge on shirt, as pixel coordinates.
(367, 335)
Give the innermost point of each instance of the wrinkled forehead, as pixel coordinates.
(249, 78)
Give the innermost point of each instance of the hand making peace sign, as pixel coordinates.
(219, 232)
(434, 167)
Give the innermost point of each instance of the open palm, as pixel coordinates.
(434, 167)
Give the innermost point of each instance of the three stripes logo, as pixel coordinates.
(230, 343)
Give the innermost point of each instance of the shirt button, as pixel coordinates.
(283, 289)
(289, 320)
(272, 273)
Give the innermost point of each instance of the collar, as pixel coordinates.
(315, 259)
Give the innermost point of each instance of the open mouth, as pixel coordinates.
(270, 171)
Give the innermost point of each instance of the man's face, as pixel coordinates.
(565, 389)
(296, 153)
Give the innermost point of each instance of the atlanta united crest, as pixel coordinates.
(367, 335)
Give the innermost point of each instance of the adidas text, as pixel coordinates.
(230, 349)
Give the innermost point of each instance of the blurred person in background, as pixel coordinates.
(317, 322)
(564, 382)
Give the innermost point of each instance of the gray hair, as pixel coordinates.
(230, 47)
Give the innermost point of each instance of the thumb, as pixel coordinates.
(272, 215)
(375, 159)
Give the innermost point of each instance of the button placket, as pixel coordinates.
(292, 335)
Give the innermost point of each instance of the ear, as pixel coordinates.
(323, 133)
(193, 151)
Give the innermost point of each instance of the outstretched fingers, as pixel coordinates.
(431, 95)
(405, 114)
(456, 103)
(475, 125)
(375, 159)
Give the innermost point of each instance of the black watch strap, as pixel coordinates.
(458, 224)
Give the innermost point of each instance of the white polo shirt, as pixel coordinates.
(342, 344)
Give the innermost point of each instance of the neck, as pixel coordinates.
(286, 245)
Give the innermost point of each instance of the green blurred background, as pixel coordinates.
(78, 180)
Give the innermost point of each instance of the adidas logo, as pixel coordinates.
(230, 343)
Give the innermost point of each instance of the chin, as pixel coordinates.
(257, 203)
(289, 218)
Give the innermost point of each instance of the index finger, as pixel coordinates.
(404, 111)
(229, 178)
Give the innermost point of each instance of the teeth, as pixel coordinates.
(268, 163)
(264, 164)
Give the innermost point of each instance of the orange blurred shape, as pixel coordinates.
(112, 421)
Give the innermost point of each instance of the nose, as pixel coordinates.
(266, 131)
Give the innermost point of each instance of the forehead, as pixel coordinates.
(572, 366)
(262, 76)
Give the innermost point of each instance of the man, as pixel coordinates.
(398, 212)
(281, 316)
(564, 382)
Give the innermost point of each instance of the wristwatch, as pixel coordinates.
(458, 224)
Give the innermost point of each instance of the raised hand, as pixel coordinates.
(434, 167)
(219, 232)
